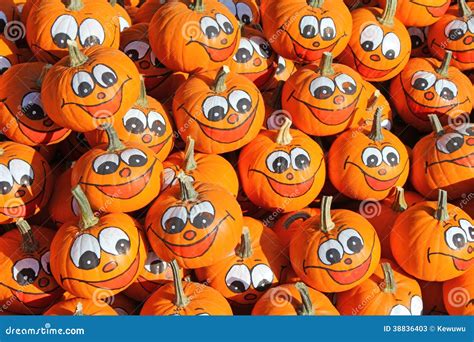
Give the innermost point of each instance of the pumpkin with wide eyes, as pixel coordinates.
(52, 23)
(287, 165)
(97, 257)
(376, 100)
(9, 54)
(197, 224)
(388, 291)
(257, 264)
(21, 109)
(209, 35)
(368, 164)
(433, 240)
(336, 250)
(81, 307)
(380, 45)
(302, 30)
(27, 284)
(161, 83)
(118, 177)
(419, 41)
(245, 11)
(454, 32)
(90, 88)
(324, 100)
(432, 87)
(458, 294)
(62, 206)
(25, 182)
(444, 159)
(420, 13)
(221, 112)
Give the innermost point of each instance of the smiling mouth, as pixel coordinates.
(154, 81)
(369, 72)
(150, 286)
(37, 300)
(306, 54)
(218, 55)
(435, 11)
(459, 264)
(466, 161)
(461, 56)
(158, 147)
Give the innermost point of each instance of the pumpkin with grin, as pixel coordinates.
(419, 12)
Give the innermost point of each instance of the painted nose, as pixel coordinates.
(20, 193)
(469, 249)
(189, 235)
(257, 62)
(348, 261)
(144, 64)
(290, 176)
(429, 95)
(316, 44)
(101, 95)
(468, 40)
(146, 138)
(375, 58)
(382, 172)
(224, 41)
(48, 122)
(125, 172)
(43, 282)
(110, 266)
(233, 118)
(470, 141)
(338, 99)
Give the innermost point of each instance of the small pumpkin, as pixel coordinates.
(9, 54)
(80, 307)
(419, 41)
(62, 206)
(420, 13)
(246, 12)
(458, 294)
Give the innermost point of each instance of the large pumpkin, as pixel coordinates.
(458, 294)
(420, 12)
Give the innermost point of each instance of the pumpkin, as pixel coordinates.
(146, 122)
(336, 250)
(420, 13)
(118, 177)
(185, 299)
(201, 167)
(90, 88)
(195, 223)
(209, 35)
(388, 291)
(376, 100)
(444, 159)
(147, 10)
(80, 307)
(161, 83)
(122, 15)
(294, 299)
(454, 32)
(324, 100)
(288, 166)
(27, 285)
(221, 112)
(419, 41)
(246, 12)
(380, 45)
(432, 294)
(9, 54)
(52, 23)
(432, 87)
(433, 241)
(458, 294)
(96, 257)
(303, 30)
(257, 264)
(62, 206)
(289, 224)
(368, 164)
(25, 185)
(27, 7)
(21, 110)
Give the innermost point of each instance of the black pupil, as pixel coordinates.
(456, 34)
(372, 161)
(203, 220)
(212, 32)
(91, 41)
(2, 25)
(88, 261)
(323, 92)
(392, 159)
(158, 128)
(301, 162)
(349, 88)
(26, 276)
(2, 70)
(263, 285)
(309, 31)
(243, 55)
(109, 78)
(216, 113)
(447, 94)
(33, 111)
(122, 246)
(355, 244)
(246, 19)
(459, 240)
(420, 84)
(328, 33)
(107, 168)
(5, 188)
(85, 88)
(416, 41)
(266, 49)
(280, 165)
(228, 28)
(60, 40)
(280, 68)
(134, 125)
(471, 233)
(368, 46)
(174, 225)
(236, 286)
(133, 55)
(137, 160)
(454, 144)
(26, 180)
(333, 256)
(157, 267)
(390, 54)
(243, 105)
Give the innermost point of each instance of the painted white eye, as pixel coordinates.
(455, 238)
(261, 46)
(154, 264)
(25, 271)
(169, 175)
(346, 84)
(174, 219)
(76, 210)
(6, 180)
(104, 75)
(309, 26)
(156, 123)
(387, 124)
(300, 159)
(328, 29)
(209, 27)
(64, 28)
(466, 129)
(240, 101)
(230, 5)
(202, 215)
(91, 33)
(262, 277)
(450, 142)
(372, 157)
(45, 262)
(390, 156)
(32, 106)
(134, 157)
(5, 64)
(106, 164)
(82, 84)
(21, 171)
(281, 65)
(416, 306)
(422, 80)
(417, 37)
(114, 241)
(278, 161)
(468, 227)
(124, 24)
(446, 89)
(244, 52)
(134, 121)
(224, 23)
(400, 310)
(215, 108)
(237, 278)
(155, 61)
(391, 46)
(85, 252)
(351, 241)
(455, 30)
(371, 37)
(3, 19)
(330, 252)
(470, 24)
(136, 50)
(322, 88)
(244, 13)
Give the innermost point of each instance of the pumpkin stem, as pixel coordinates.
(186, 185)
(29, 243)
(75, 5)
(389, 279)
(316, 3)
(2, 151)
(76, 57)
(326, 64)
(436, 124)
(284, 136)
(444, 67)
(306, 308)
(114, 142)
(113, 2)
(326, 221)
(78, 311)
(142, 99)
(244, 249)
(219, 83)
(464, 9)
(88, 219)
(441, 213)
(373, 100)
(275, 101)
(388, 13)
(400, 204)
(376, 132)
(181, 300)
(40, 79)
(198, 6)
(189, 161)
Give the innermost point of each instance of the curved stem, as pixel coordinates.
(76, 57)
(40, 79)
(464, 9)
(325, 65)
(78, 311)
(189, 161)
(441, 213)
(29, 243)
(326, 223)
(75, 5)
(244, 249)
(389, 279)
(198, 6)
(88, 219)
(186, 185)
(219, 83)
(399, 204)
(306, 308)
(284, 136)
(388, 13)
(315, 3)
(436, 124)
(444, 67)
(373, 100)
(181, 300)
(142, 100)
(376, 132)
(114, 142)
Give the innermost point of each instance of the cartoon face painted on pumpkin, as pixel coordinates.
(419, 41)
(246, 11)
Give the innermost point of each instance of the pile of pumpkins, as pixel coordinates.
(264, 157)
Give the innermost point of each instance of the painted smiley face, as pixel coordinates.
(435, 8)
(155, 274)
(246, 11)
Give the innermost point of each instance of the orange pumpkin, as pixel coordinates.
(246, 12)
(9, 54)
(419, 41)
(458, 294)
(419, 13)
(147, 10)
(81, 307)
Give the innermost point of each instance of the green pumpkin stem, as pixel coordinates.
(115, 144)
(244, 249)
(76, 57)
(444, 67)
(189, 161)
(198, 6)
(79, 309)
(464, 10)
(441, 213)
(399, 204)
(275, 101)
(325, 65)
(186, 185)
(40, 79)
(181, 300)
(142, 100)
(88, 219)
(326, 223)
(284, 136)
(388, 13)
(219, 83)
(390, 286)
(436, 124)
(376, 132)
(113, 2)
(373, 100)
(316, 3)
(29, 243)
(75, 5)
(306, 308)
